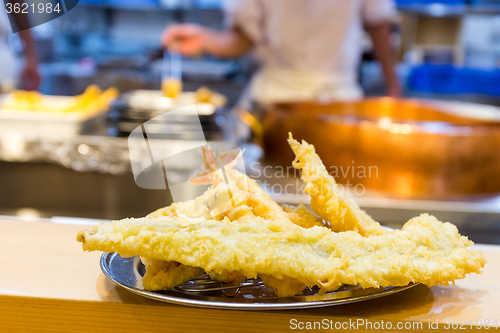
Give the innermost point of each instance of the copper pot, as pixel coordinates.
(406, 148)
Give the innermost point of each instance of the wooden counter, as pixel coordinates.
(48, 284)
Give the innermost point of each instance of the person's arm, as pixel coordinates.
(192, 39)
(30, 77)
(380, 36)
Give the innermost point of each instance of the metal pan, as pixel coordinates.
(128, 272)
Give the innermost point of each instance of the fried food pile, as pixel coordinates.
(327, 199)
(172, 88)
(205, 95)
(92, 100)
(289, 248)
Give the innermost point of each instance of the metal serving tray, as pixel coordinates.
(128, 272)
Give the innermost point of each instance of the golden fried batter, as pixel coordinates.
(166, 274)
(171, 274)
(229, 277)
(425, 250)
(257, 201)
(327, 199)
(236, 231)
(284, 286)
(165, 211)
(261, 203)
(302, 217)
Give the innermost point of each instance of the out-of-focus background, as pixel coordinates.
(116, 42)
(437, 150)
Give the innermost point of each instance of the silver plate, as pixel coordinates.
(128, 272)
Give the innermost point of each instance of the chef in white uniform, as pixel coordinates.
(309, 49)
(12, 71)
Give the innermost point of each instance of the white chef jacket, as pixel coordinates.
(309, 49)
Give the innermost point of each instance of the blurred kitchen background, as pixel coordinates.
(447, 51)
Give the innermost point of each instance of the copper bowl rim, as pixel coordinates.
(478, 125)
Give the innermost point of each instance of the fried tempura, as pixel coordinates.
(166, 275)
(228, 277)
(261, 203)
(302, 217)
(236, 231)
(284, 286)
(165, 211)
(327, 199)
(92, 100)
(256, 203)
(425, 250)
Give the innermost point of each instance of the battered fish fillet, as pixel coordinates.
(162, 275)
(227, 277)
(261, 203)
(301, 216)
(327, 199)
(257, 203)
(264, 206)
(212, 204)
(425, 250)
(284, 286)
(165, 211)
